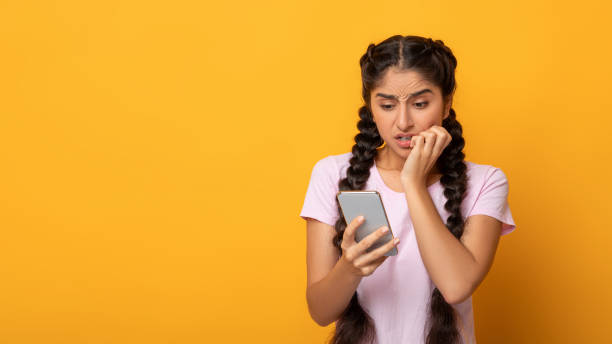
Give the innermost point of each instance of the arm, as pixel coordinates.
(456, 267)
(331, 283)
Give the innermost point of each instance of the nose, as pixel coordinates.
(404, 119)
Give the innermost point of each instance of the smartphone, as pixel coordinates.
(370, 205)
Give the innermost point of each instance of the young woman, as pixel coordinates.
(447, 213)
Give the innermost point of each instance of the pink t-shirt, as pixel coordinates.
(397, 294)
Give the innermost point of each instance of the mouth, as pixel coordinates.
(403, 141)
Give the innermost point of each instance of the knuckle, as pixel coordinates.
(350, 256)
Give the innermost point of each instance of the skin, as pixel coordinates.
(455, 266)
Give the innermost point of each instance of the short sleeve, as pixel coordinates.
(320, 201)
(492, 199)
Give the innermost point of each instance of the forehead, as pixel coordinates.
(403, 82)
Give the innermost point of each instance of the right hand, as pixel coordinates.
(354, 253)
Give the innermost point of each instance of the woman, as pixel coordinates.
(447, 213)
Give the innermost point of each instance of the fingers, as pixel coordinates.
(366, 242)
(430, 141)
(442, 140)
(352, 250)
(370, 268)
(376, 254)
(416, 142)
(361, 262)
(349, 232)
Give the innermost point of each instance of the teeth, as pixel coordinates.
(404, 138)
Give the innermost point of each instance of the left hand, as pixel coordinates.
(426, 147)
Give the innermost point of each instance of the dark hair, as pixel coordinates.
(436, 63)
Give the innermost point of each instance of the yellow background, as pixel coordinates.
(155, 157)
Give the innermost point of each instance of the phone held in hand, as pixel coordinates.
(368, 204)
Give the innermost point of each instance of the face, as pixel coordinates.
(405, 103)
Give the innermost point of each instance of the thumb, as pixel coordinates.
(349, 232)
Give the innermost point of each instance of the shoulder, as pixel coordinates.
(483, 172)
(484, 176)
(334, 165)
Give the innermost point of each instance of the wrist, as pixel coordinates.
(409, 184)
(346, 268)
(415, 190)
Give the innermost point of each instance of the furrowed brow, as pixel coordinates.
(391, 96)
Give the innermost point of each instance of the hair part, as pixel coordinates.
(436, 63)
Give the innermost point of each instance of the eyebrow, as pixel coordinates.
(391, 96)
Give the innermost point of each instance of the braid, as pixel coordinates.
(354, 321)
(454, 179)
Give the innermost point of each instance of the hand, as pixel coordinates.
(354, 254)
(425, 147)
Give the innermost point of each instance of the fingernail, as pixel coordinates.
(385, 229)
(396, 240)
(360, 218)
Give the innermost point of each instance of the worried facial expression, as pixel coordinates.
(405, 103)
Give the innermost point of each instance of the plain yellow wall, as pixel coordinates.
(155, 157)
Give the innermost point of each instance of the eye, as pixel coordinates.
(387, 107)
(421, 105)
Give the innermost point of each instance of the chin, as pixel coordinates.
(402, 151)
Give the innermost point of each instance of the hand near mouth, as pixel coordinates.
(425, 148)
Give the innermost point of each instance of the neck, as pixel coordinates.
(387, 160)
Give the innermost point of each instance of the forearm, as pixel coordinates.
(330, 296)
(449, 263)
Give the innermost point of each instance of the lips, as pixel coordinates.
(403, 143)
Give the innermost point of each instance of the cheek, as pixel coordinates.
(430, 123)
(380, 120)
(425, 121)
(433, 117)
(384, 127)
